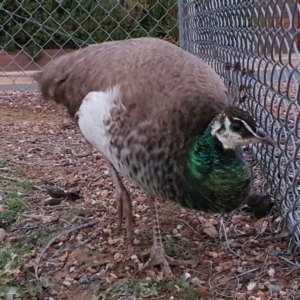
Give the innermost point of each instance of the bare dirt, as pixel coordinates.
(237, 256)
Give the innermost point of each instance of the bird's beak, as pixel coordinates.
(261, 137)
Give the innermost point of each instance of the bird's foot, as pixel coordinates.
(158, 256)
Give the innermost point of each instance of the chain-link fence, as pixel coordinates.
(252, 44)
(255, 46)
(34, 32)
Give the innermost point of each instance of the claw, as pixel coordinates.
(158, 256)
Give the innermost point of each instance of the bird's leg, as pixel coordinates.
(123, 203)
(158, 255)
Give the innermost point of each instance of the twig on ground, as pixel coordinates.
(10, 178)
(290, 262)
(83, 155)
(249, 271)
(37, 262)
(226, 238)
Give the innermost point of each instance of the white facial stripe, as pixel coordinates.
(248, 127)
(229, 132)
(215, 127)
(227, 123)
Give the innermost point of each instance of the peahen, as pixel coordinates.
(158, 115)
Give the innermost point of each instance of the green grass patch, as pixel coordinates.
(15, 203)
(2, 162)
(25, 186)
(19, 173)
(150, 288)
(15, 199)
(41, 236)
(12, 261)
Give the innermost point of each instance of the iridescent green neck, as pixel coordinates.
(208, 152)
(215, 179)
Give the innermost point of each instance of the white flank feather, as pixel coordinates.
(93, 112)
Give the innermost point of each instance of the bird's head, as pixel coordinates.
(234, 127)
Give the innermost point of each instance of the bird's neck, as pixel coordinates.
(215, 179)
(207, 152)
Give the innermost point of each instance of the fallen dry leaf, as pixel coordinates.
(210, 230)
(118, 256)
(202, 290)
(225, 279)
(63, 257)
(113, 277)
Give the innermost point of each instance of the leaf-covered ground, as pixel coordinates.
(237, 256)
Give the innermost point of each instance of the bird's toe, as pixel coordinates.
(158, 257)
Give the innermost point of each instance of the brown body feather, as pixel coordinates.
(159, 82)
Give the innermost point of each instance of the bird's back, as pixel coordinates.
(153, 74)
(170, 97)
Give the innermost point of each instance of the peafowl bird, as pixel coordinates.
(158, 115)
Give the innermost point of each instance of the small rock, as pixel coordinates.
(67, 283)
(137, 231)
(275, 252)
(91, 247)
(56, 192)
(196, 281)
(275, 288)
(251, 286)
(282, 293)
(109, 266)
(83, 278)
(271, 272)
(96, 276)
(134, 257)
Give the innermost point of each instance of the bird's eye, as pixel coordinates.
(236, 126)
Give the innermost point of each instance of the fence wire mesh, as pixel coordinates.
(34, 32)
(254, 45)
